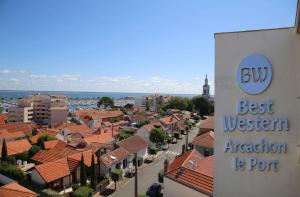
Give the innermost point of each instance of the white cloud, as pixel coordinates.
(14, 80)
(76, 82)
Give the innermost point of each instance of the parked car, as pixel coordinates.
(154, 190)
(164, 146)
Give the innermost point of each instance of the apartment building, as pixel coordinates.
(42, 109)
(23, 112)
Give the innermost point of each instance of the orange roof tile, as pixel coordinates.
(99, 138)
(44, 156)
(42, 132)
(26, 128)
(204, 140)
(3, 119)
(193, 170)
(114, 157)
(12, 135)
(15, 190)
(54, 170)
(133, 144)
(83, 129)
(208, 123)
(87, 157)
(169, 120)
(95, 114)
(50, 144)
(153, 125)
(16, 147)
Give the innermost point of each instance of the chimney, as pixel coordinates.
(183, 149)
(166, 165)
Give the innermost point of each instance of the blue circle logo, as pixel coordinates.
(254, 74)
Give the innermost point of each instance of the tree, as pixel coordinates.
(116, 175)
(4, 151)
(106, 101)
(34, 149)
(177, 102)
(201, 105)
(93, 173)
(152, 151)
(82, 172)
(157, 136)
(125, 134)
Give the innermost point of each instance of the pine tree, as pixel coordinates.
(4, 151)
(93, 173)
(82, 172)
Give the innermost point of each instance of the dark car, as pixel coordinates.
(154, 190)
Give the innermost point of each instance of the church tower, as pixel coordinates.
(205, 92)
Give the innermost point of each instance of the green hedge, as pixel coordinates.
(83, 192)
(12, 171)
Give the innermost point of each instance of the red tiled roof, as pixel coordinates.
(42, 132)
(151, 126)
(135, 117)
(83, 129)
(114, 157)
(50, 144)
(3, 119)
(44, 156)
(99, 138)
(133, 144)
(98, 114)
(87, 157)
(54, 170)
(12, 135)
(15, 190)
(204, 140)
(208, 123)
(16, 147)
(106, 124)
(193, 170)
(26, 128)
(169, 120)
(196, 180)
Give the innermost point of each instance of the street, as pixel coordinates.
(149, 174)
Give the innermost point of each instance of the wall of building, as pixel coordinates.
(36, 178)
(172, 188)
(282, 48)
(58, 115)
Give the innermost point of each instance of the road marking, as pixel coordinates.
(172, 153)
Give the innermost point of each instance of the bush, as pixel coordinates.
(12, 171)
(49, 192)
(23, 156)
(161, 176)
(83, 192)
(11, 160)
(44, 138)
(34, 149)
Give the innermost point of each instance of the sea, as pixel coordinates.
(16, 94)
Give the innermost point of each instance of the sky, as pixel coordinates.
(153, 46)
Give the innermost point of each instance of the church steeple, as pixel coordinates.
(205, 92)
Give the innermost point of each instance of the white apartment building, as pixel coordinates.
(42, 109)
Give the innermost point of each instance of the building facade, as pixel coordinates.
(257, 79)
(42, 109)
